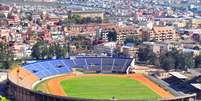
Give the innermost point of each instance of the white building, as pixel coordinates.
(107, 48)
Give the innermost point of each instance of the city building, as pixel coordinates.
(163, 33)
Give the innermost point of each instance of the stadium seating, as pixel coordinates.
(107, 64)
(69, 63)
(94, 61)
(173, 81)
(93, 64)
(119, 65)
(80, 62)
(47, 68)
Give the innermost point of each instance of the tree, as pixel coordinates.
(86, 20)
(167, 62)
(4, 98)
(198, 61)
(67, 22)
(98, 19)
(177, 60)
(147, 55)
(112, 35)
(6, 56)
(135, 40)
(173, 59)
(76, 19)
(60, 51)
(51, 51)
(189, 60)
(182, 60)
(152, 58)
(2, 15)
(40, 50)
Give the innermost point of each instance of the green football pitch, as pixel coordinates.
(106, 87)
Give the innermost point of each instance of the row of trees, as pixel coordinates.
(177, 60)
(76, 19)
(147, 55)
(6, 56)
(169, 60)
(42, 50)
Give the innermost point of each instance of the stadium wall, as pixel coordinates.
(18, 93)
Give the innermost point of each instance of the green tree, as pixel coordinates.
(6, 56)
(86, 20)
(167, 62)
(76, 19)
(40, 50)
(198, 61)
(178, 57)
(189, 60)
(112, 35)
(67, 22)
(4, 98)
(60, 51)
(2, 15)
(51, 51)
(135, 40)
(147, 55)
(177, 60)
(182, 60)
(98, 19)
(173, 59)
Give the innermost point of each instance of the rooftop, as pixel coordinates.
(196, 85)
(178, 75)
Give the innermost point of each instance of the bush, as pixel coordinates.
(4, 98)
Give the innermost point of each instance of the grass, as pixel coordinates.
(105, 87)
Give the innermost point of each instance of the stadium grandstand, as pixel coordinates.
(47, 68)
(180, 84)
(23, 79)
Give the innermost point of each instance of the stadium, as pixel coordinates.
(86, 79)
